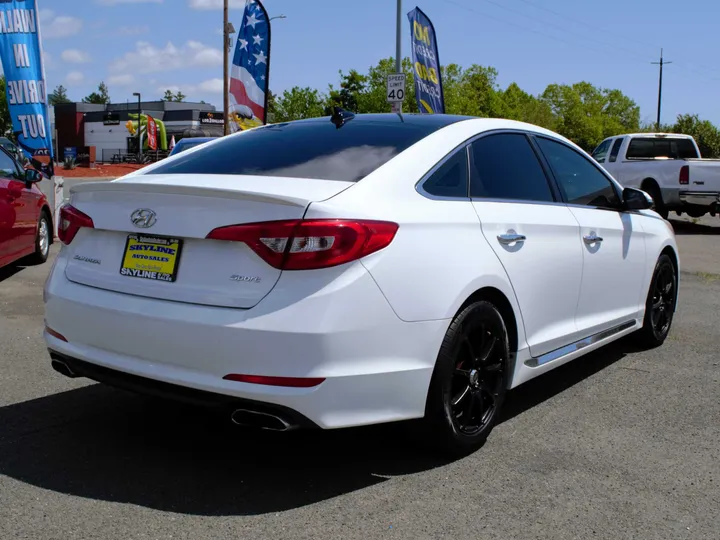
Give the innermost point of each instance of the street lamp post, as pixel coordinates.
(139, 125)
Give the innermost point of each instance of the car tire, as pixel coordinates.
(654, 191)
(660, 305)
(469, 382)
(43, 237)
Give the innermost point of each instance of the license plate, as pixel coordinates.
(151, 257)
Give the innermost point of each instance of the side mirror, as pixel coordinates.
(636, 199)
(32, 176)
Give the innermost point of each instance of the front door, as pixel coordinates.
(534, 235)
(613, 241)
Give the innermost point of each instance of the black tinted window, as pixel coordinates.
(451, 178)
(580, 180)
(615, 149)
(304, 149)
(504, 166)
(644, 148)
(8, 168)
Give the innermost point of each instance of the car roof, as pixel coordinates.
(428, 121)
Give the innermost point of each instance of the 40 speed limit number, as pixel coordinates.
(395, 87)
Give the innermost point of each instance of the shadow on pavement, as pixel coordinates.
(689, 228)
(105, 444)
(10, 270)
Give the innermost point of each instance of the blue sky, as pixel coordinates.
(148, 45)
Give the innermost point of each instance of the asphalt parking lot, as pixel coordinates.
(619, 444)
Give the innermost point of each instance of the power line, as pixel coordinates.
(563, 29)
(535, 31)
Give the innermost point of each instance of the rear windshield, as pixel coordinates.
(644, 148)
(304, 149)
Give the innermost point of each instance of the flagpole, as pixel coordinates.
(226, 91)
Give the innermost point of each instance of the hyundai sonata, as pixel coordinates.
(357, 269)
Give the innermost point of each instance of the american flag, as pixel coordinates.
(250, 69)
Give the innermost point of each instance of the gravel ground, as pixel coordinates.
(618, 444)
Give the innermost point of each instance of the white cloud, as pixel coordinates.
(74, 77)
(147, 58)
(121, 80)
(75, 56)
(116, 2)
(58, 26)
(214, 86)
(214, 4)
(133, 30)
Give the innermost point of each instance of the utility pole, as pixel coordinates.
(398, 43)
(226, 61)
(661, 63)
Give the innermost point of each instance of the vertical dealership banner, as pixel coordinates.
(152, 133)
(426, 63)
(22, 62)
(250, 69)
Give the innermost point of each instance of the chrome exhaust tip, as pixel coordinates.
(261, 420)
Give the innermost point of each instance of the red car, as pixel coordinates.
(26, 228)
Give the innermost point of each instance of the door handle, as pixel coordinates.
(511, 238)
(592, 238)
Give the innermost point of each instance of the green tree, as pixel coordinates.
(519, 105)
(704, 132)
(101, 97)
(59, 95)
(586, 114)
(173, 96)
(6, 129)
(352, 86)
(298, 103)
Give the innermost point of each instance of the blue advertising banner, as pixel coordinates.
(22, 62)
(426, 63)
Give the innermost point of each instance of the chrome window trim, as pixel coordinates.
(465, 145)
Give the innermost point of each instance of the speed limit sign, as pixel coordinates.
(395, 87)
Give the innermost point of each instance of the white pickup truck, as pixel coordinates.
(668, 167)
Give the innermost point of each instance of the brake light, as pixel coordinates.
(291, 382)
(311, 244)
(685, 174)
(70, 222)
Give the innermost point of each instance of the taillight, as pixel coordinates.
(70, 222)
(311, 244)
(685, 174)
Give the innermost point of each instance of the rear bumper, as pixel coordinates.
(700, 198)
(335, 324)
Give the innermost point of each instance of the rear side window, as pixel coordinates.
(504, 166)
(615, 149)
(303, 149)
(451, 178)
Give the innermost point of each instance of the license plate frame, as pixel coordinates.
(155, 270)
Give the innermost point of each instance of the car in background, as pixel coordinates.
(26, 227)
(189, 142)
(13, 150)
(667, 166)
(356, 270)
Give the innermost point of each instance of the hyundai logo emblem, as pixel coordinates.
(143, 218)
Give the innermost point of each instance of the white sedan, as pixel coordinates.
(355, 270)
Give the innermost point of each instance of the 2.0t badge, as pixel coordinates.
(143, 218)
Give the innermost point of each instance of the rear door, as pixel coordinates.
(613, 241)
(533, 233)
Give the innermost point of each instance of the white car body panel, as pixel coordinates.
(372, 328)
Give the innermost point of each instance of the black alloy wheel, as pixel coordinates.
(470, 380)
(660, 304)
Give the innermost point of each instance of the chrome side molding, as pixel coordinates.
(574, 347)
